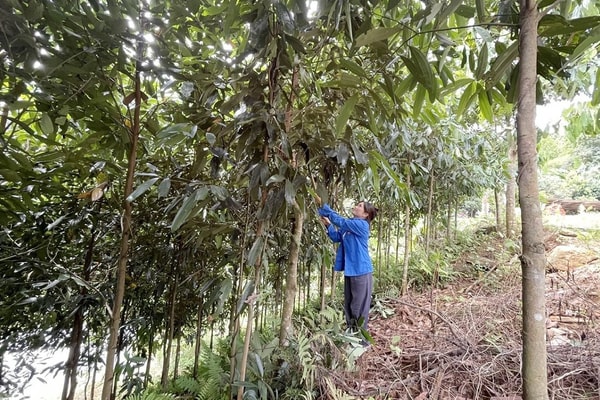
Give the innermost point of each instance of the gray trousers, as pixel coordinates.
(357, 299)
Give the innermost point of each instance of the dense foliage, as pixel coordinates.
(244, 111)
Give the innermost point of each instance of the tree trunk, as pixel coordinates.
(150, 351)
(429, 224)
(407, 236)
(449, 222)
(397, 250)
(115, 316)
(95, 372)
(287, 329)
(533, 260)
(511, 186)
(234, 323)
(170, 329)
(198, 345)
(378, 262)
(497, 210)
(177, 358)
(77, 332)
(260, 233)
(322, 286)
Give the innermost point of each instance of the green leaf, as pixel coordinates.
(480, 5)
(277, 178)
(164, 187)
(46, 125)
(296, 44)
(141, 189)
(454, 86)
(352, 67)
(554, 25)
(344, 115)
(175, 129)
(387, 168)
(482, 62)
(186, 208)
(376, 35)
(452, 7)
(465, 11)
(421, 70)
(255, 251)
(248, 290)
(419, 100)
(466, 99)
(484, 105)
(10, 175)
(502, 63)
(587, 43)
(290, 192)
(596, 94)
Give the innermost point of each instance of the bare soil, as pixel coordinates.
(463, 341)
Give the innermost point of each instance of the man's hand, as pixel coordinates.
(325, 221)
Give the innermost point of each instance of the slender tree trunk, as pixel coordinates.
(397, 250)
(455, 221)
(95, 372)
(533, 259)
(497, 213)
(511, 187)
(379, 263)
(249, 324)
(287, 329)
(429, 225)
(261, 228)
(234, 324)
(307, 267)
(387, 240)
(177, 358)
(407, 234)
(150, 352)
(170, 330)
(198, 344)
(449, 221)
(115, 316)
(322, 286)
(70, 384)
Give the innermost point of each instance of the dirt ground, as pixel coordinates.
(463, 341)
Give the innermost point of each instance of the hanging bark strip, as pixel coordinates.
(533, 259)
(115, 316)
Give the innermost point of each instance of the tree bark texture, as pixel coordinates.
(533, 259)
(511, 187)
(286, 328)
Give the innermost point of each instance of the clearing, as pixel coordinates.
(463, 341)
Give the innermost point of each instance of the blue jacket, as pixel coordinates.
(352, 234)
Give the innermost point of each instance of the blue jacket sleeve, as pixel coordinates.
(334, 234)
(359, 227)
(325, 210)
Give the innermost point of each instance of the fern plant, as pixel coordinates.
(151, 394)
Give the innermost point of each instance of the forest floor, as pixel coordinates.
(463, 341)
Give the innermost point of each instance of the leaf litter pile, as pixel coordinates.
(463, 341)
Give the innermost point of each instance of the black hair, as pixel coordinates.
(371, 211)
